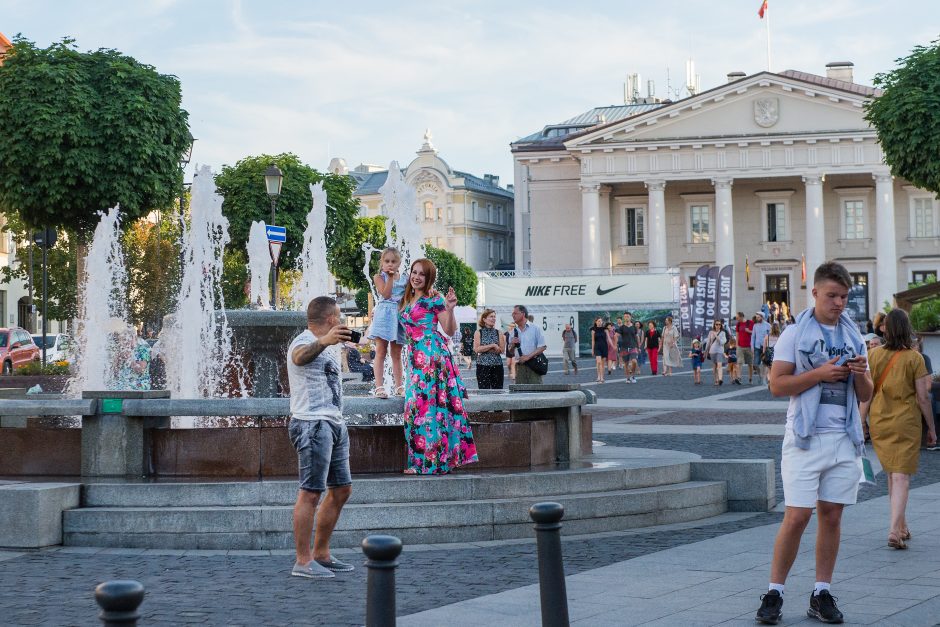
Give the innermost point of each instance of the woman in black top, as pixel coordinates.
(466, 345)
(599, 346)
(489, 345)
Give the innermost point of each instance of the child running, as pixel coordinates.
(386, 330)
(697, 358)
(731, 354)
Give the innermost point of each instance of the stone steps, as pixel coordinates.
(472, 509)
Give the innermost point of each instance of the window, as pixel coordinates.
(489, 212)
(924, 224)
(634, 222)
(923, 276)
(489, 248)
(473, 210)
(450, 214)
(776, 222)
(499, 250)
(699, 216)
(440, 213)
(428, 210)
(854, 212)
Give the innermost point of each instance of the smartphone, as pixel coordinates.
(355, 336)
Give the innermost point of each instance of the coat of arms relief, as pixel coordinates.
(766, 111)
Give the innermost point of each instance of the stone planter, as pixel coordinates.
(51, 383)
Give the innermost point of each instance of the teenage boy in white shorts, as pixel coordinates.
(821, 363)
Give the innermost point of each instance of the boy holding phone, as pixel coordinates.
(821, 363)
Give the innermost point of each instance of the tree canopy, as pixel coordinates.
(349, 259)
(83, 131)
(452, 272)
(245, 200)
(907, 117)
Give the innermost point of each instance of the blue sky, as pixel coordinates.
(362, 80)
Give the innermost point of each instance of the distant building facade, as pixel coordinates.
(5, 44)
(469, 216)
(760, 173)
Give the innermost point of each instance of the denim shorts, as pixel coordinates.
(322, 453)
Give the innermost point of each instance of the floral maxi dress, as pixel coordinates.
(436, 427)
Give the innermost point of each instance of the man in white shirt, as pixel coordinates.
(318, 432)
(527, 342)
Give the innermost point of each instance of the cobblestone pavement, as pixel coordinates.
(712, 417)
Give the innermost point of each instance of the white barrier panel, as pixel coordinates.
(579, 290)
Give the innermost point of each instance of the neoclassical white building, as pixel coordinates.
(469, 216)
(765, 169)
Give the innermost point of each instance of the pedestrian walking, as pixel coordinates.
(569, 351)
(489, 345)
(770, 342)
(599, 347)
(630, 342)
(641, 357)
(612, 357)
(821, 363)
(742, 329)
(319, 435)
(715, 350)
(697, 356)
(669, 346)
(653, 341)
(731, 354)
(759, 331)
(901, 403)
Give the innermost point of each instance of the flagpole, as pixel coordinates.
(767, 25)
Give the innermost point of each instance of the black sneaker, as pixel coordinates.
(823, 608)
(771, 608)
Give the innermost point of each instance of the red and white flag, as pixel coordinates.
(763, 9)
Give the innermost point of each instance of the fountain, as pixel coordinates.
(259, 266)
(102, 312)
(312, 261)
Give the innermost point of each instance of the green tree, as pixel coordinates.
(907, 117)
(61, 264)
(83, 131)
(245, 201)
(235, 278)
(452, 272)
(349, 258)
(151, 255)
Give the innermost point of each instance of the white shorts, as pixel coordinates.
(827, 471)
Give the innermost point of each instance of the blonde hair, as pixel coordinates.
(484, 316)
(393, 250)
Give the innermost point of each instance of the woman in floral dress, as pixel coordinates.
(436, 427)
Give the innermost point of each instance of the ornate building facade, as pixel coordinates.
(469, 216)
(760, 173)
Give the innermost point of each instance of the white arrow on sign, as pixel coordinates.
(275, 251)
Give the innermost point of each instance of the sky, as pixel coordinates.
(363, 80)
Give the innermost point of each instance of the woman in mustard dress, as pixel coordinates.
(901, 401)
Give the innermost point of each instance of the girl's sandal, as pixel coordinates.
(410, 471)
(400, 390)
(380, 392)
(896, 542)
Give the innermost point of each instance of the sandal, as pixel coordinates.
(380, 392)
(400, 390)
(906, 534)
(896, 542)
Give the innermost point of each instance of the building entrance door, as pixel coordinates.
(778, 289)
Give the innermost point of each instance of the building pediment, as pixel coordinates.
(761, 106)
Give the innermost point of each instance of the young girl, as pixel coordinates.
(386, 329)
(731, 354)
(697, 358)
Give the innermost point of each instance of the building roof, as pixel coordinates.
(554, 136)
(5, 44)
(369, 183)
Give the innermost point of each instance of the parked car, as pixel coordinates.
(16, 349)
(59, 346)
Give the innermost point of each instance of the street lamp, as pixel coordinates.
(272, 184)
(184, 161)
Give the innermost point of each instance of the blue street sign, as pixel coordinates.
(276, 233)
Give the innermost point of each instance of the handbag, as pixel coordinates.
(538, 364)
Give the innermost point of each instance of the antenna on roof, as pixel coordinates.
(693, 81)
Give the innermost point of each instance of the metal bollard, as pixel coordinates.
(554, 597)
(119, 601)
(382, 552)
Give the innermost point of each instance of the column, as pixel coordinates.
(724, 223)
(590, 226)
(815, 231)
(656, 225)
(606, 251)
(886, 270)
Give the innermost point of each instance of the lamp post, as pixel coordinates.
(184, 161)
(272, 184)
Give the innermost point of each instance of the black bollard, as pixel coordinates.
(554, 597)
(119, 601)
(382, 552)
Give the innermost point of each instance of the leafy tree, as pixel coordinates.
(907, 117)
(452, 272)
(61, 275)
(349, 258)
(83, 131)
(235, 278)
(245, 200)
(151, 255)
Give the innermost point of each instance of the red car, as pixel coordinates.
(17, 349)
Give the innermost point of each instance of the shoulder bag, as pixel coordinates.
(538, 364)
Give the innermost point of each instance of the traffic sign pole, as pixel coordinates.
(277, 235)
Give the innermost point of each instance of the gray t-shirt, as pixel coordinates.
(316, 390)
(570, 338)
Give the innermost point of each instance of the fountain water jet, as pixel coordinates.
(312, 261)
(259, 266)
